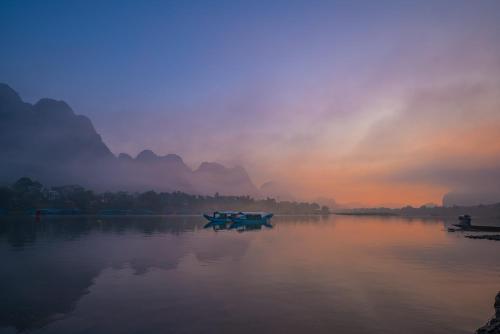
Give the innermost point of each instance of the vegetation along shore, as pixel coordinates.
(27, 196)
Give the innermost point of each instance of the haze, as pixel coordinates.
(379, 103)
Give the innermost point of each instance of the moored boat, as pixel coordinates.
(252, 218)
(238, 219)
(221, 216)
(466, 225)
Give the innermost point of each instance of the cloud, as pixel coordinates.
(444, 137)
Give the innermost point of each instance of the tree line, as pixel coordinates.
(29, 196)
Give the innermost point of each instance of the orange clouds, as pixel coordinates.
(441, 139)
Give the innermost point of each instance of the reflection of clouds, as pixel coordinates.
(393, 269)
(387, 273)
(223, 246)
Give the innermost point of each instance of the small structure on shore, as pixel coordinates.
(465, 225)
(492, 326)
(465, 221)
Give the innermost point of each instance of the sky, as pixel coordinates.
(370, 102)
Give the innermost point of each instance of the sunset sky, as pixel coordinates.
(372, 102)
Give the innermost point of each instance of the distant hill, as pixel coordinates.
(277, 190)
(49, 142)
(46, 140)
(490, 211)
(212, 177)
(456, 198)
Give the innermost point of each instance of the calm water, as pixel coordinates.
(306, 275)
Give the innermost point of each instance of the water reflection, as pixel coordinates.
(169, 274)
(56, 260)
(240, 227)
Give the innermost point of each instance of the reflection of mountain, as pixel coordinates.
(56, 262)
(49, 142)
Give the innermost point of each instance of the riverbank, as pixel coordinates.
(495, 237)
(483, 211)
(30, 197)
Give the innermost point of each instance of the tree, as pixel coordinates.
(25, 184)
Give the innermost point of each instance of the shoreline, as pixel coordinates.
(493, 325)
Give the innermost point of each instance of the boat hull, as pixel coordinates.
(241, 222)
(479, 228)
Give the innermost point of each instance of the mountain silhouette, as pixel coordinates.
(49, 142)
(213, 177)
(276, 190)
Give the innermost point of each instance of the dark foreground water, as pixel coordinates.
(306, 275)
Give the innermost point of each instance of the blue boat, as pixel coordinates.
(244, 219)
(219, 218)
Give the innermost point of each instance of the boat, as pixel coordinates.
(465, 225)
(480, 228)
(239, 220)
(221, 217)
(465, 219)
(251, 218)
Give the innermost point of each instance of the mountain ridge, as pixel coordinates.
(48, 141)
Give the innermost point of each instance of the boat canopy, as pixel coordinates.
(224, 214)
(255, 215)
